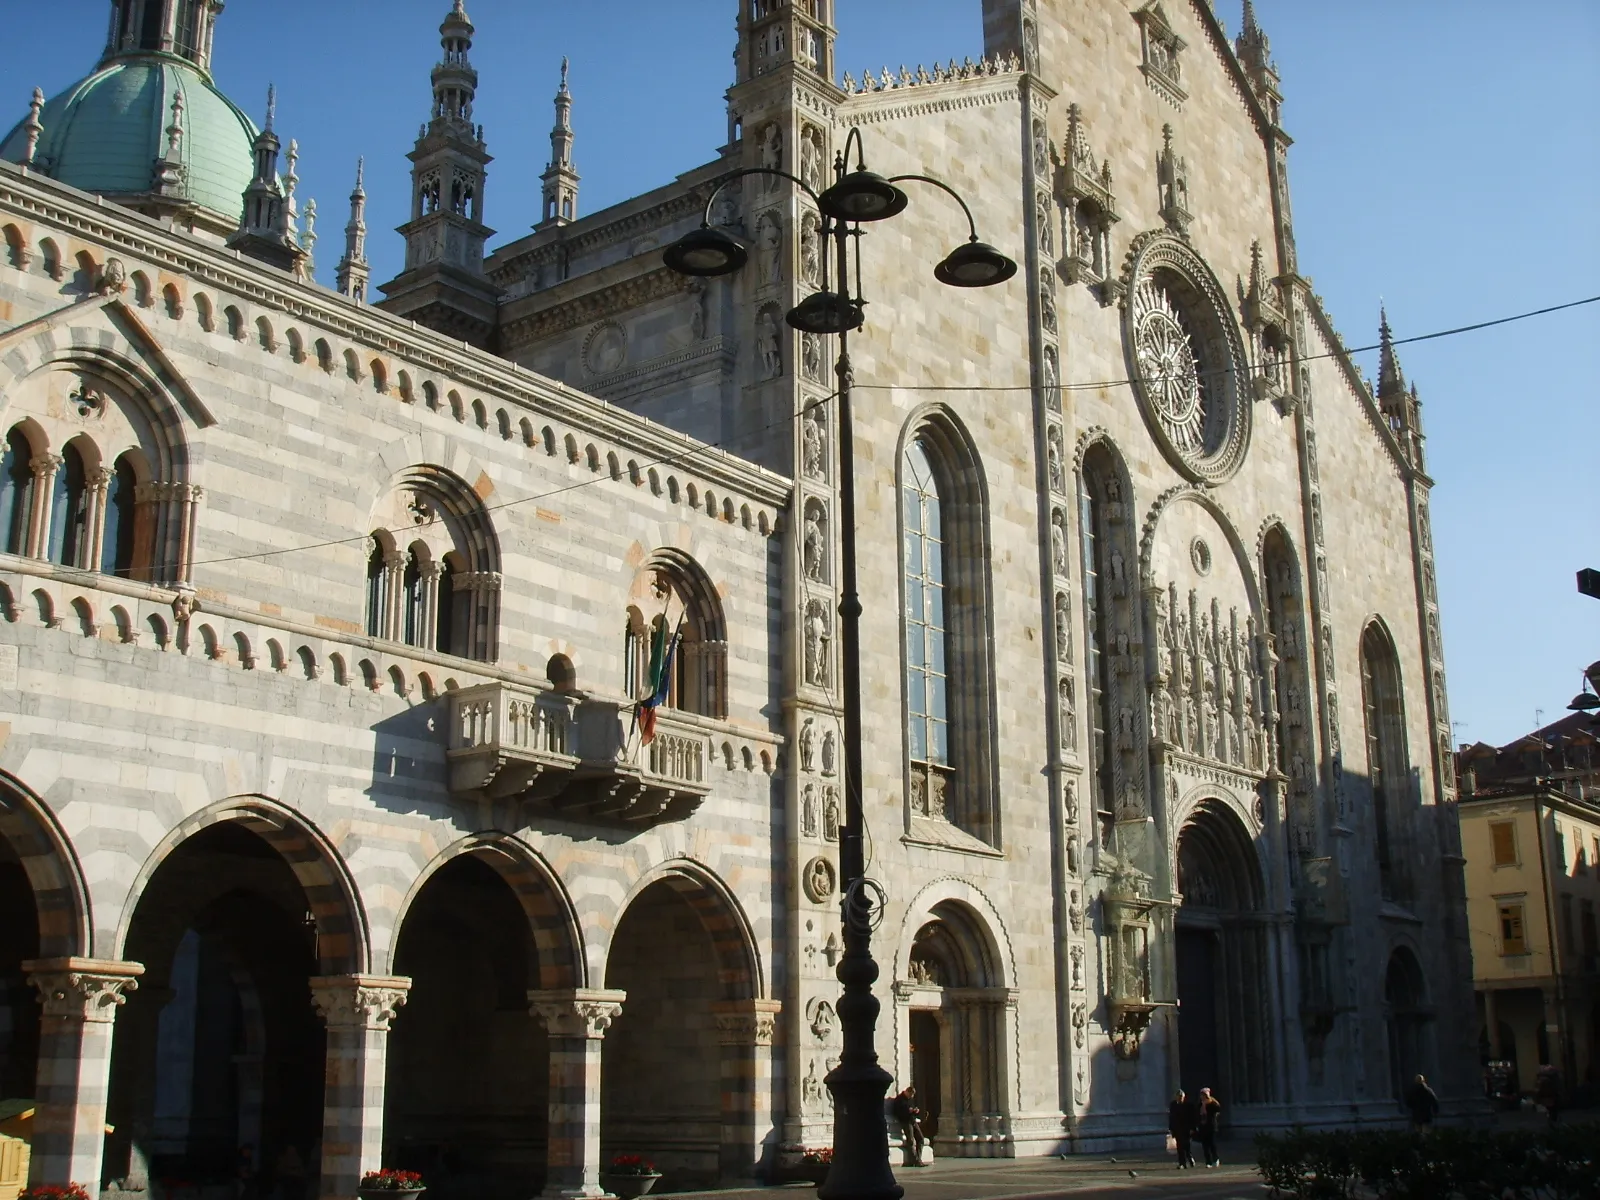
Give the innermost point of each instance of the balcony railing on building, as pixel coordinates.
(573, 755)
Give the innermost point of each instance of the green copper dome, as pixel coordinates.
(105, 133)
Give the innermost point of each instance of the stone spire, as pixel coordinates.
(443, 285)
(560, 177)
(1400, 405)
(289, 220)
(308, 241)
(266, 227)
(169, 171)
(351, 279)
(1255, 56)
(33, 127)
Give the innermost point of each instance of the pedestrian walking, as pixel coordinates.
(1547, 1091)
(1422, 1102)
(1206, 1126)
(1180, 1124)
(909, 1117)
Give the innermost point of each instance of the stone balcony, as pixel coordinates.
(572, 754)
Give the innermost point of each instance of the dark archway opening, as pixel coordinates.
(217, 1064)
(1222, 962)
(466, 1100)
(661, 1072)
(1404, 993)
(19, 1003)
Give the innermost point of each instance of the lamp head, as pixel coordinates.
(976, 264)
(705, 252)
(862, 195)
(825, 312)
(1584, 701)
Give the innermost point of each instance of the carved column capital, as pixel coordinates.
(746, 1022)
(45, 466)
(359, 1001)
(83, 989)
(576, 1012)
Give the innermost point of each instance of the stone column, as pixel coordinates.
(44, 467)
(576, 1020)
(95, 518)
(394, 596)
(357, 1009)
(744, 1029)
(428, 620)
(188, 497)
(81, 997)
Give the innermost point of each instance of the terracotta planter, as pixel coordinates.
(628, 1187)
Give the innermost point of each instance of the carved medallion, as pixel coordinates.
(817, 879)
(606, 349)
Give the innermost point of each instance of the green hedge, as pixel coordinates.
(1558, 1163)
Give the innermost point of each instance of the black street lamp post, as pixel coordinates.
(860, 1169)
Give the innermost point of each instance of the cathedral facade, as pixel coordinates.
(338, 828)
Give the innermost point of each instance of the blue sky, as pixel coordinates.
(1446, 159)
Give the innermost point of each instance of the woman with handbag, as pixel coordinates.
(1180, 1129)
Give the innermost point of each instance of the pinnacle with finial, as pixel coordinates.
(563, 72)
(33, 127)
(361, 172)
(272, 105)
(1250, 17)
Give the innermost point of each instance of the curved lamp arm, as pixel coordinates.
(972, 225)
(705, 217)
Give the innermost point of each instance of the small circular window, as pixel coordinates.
(1184, 354)
(1200, 556)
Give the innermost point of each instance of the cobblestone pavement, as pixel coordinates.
(1082, 1177)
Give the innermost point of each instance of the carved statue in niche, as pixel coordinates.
(1077, 967)
(726, 213)
(1030, 45)
(1072, 853)
(811, 158)
(811, 355)
(808, 810)
(830, 814)
(1069, 714)
(815, 542)
(1072, 801)
(808, 744)
(1043, 217)
(769, 245)
(1080, 1017)
(697, 309)
(1041, 149)
(829, 753)
(818, 635)
(1052, 379)
(767, 339)
(1058, 541)
(1063, 627)
(1075, 911)
(810, 249)
(1191, 721)
(814, 439)
(1119, 573)
(1058, 479)
(772, 153)
(822, 1020)
(812, 1088)
(1047, 303)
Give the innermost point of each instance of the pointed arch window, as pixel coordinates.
(927, 650)
(684, 604)
(1388, 765)
(946, 636)
(16, 492)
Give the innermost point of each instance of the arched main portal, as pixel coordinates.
(954, 1009)
(467, 1100)
(1222, 961)
(217, 1067)
(677, 1080)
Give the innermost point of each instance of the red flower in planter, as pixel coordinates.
(388, 1180)
(632, 1164)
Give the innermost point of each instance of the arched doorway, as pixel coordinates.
(467, 1100)
(673, 1086)
(955, 1010)
(217, 1067)
(1222, 965)
(1405, 998)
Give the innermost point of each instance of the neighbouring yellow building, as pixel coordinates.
(1530, 832)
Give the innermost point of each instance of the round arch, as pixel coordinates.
(740, 975)
(981, 933)
(343, 939)
(1206, 501)
(52, 869)
(552, 919)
